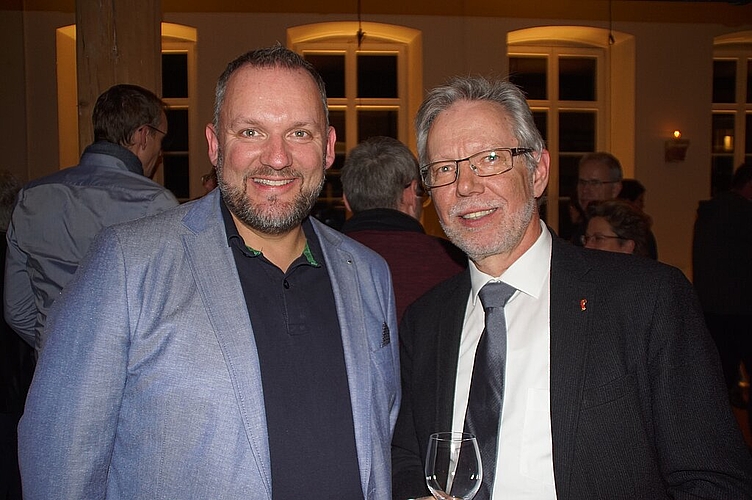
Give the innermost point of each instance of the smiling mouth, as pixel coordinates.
(477, 215)
(273, 182)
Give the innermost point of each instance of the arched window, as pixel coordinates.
(579, 82)
(374, 84)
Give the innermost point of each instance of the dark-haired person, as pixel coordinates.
(234, 347)
(722, 267)
(617, 226)
(57, 216)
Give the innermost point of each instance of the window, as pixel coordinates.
(367, 89)
(731, 139)
(566, 91)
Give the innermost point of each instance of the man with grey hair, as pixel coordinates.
(583, 374)
(382, 188)
(599, 178)
(233, 347)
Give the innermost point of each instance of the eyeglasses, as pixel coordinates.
(594, 183)
(156, 129)
(598, 238)
(483, 164)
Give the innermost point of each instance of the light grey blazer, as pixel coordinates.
(149, 385)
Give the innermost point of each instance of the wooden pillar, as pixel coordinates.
(117, 41)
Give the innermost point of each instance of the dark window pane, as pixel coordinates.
(176, 174)
(567, 192)
(748, 138)
(379, 122)
(177, 130)
(577, 80)
(724, 81)
(332, 70)
(749, 82)
(721, 173)
(541, 123)
(576, 131)
(337, 120)
(530, 74)
(723, 133)
(377, 76)
(175, 75)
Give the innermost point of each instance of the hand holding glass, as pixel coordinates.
(453, 468)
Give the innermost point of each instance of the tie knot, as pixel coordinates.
(495, 294)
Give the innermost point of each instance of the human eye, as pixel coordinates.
(249, 132)
(301, 134)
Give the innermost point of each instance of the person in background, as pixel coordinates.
(722, 275)
(599, 178)
(633, 191)
(16, 364)
(617, 226)
(599, 379)
(233, 347)
(209, 180)
(382, 188)
(57, 216)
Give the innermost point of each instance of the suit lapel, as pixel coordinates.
(221, 293)
(355, 341)
(450, 317)
(572, 297)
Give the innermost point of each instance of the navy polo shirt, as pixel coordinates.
(306, 393)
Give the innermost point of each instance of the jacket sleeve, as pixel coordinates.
(66, 435)
(19, 306)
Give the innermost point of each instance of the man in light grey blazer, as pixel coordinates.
(230, 348)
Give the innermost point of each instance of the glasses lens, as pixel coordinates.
(492, 162)
(440, 173)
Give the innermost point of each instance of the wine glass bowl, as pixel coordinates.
(453, 467)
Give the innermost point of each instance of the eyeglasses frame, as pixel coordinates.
(514, 152)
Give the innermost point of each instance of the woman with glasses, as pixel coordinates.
(617, 226)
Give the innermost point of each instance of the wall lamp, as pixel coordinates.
(676, 148)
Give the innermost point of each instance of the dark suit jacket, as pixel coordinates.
(638, 405)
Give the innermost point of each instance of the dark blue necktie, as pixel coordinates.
(487, 386)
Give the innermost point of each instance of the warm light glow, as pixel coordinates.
(677, 134)
(728, 143)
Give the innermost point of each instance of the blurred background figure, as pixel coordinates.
(209, 180)
(16, 364)
(382, 188)
(617, 226)
(722, 262)
(598, 178)
(57, 216)
(633, 191)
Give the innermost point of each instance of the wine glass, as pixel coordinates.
(453, 467)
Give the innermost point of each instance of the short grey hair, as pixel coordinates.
(615, 172)
(376, 172)
(9, 188)
(477, 88)
(276, 56)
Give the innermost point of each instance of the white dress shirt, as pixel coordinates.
(524, 466)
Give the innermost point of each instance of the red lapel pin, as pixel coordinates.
(583, 304)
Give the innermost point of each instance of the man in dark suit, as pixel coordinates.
(611, 386)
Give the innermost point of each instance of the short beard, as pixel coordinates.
(279, 217)
(507, 238)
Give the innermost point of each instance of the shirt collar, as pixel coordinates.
(312, 250)
(527, 274)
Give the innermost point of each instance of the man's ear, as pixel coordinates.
(540, 174)
(628, 246)
(213, 143)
